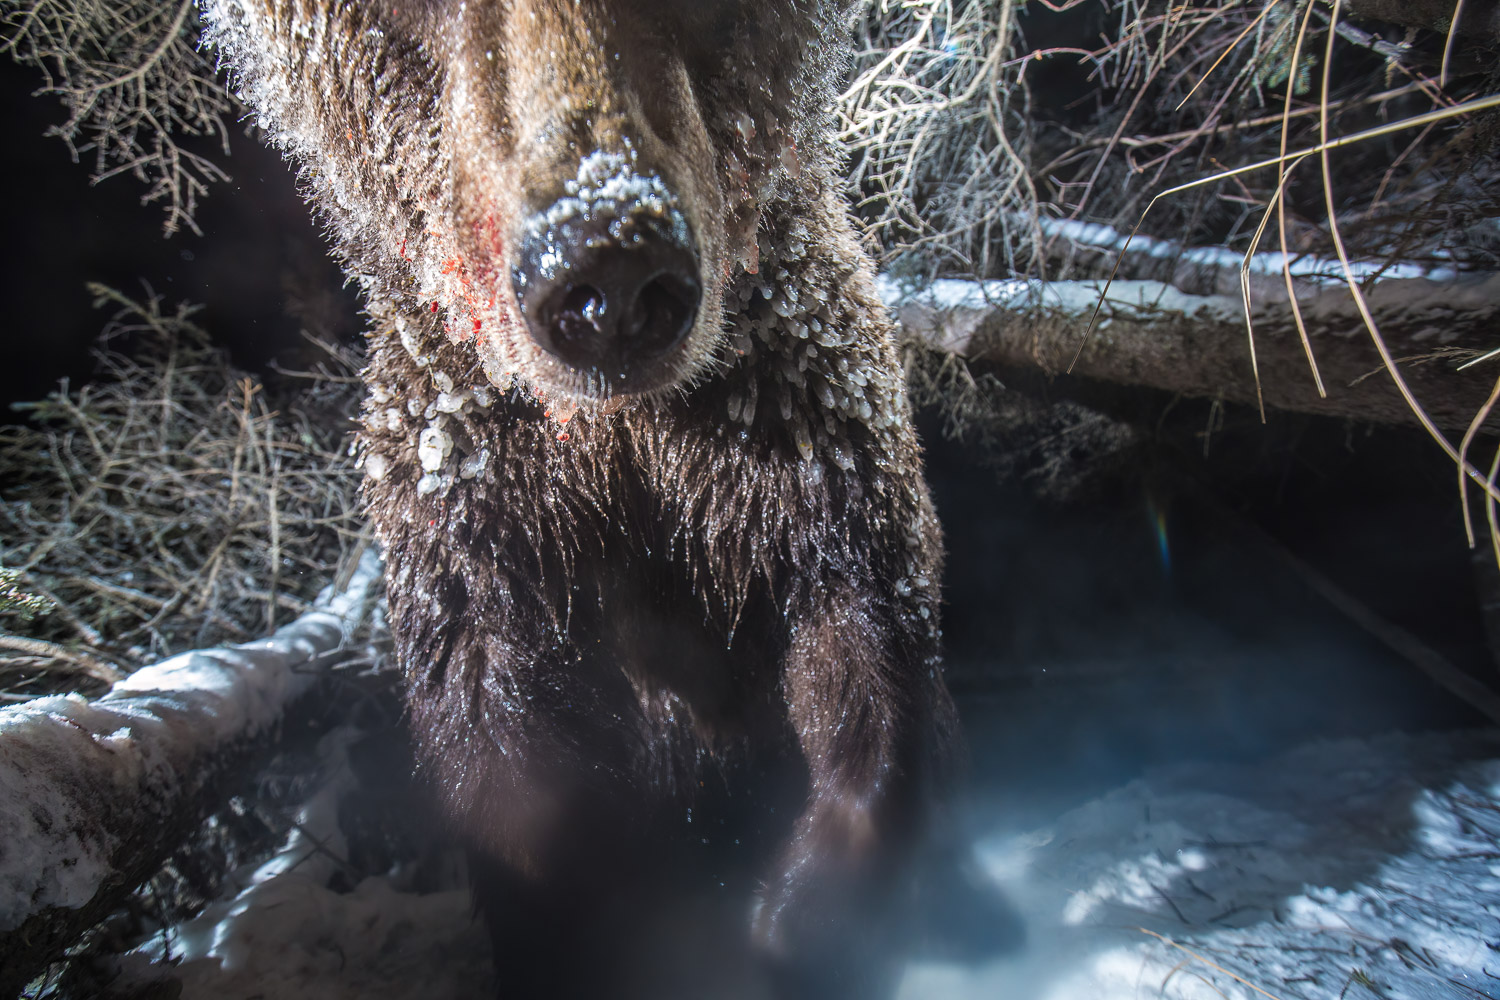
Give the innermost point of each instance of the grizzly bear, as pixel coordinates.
(637, 446)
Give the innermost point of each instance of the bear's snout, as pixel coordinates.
(607, 279)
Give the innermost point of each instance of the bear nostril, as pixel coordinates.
(661, 314)
(575, 323)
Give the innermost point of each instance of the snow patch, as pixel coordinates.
(1303, 875)
(1304, 267)
(281, 931)
(1072, 298)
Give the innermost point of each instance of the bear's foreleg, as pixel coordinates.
(857, 689)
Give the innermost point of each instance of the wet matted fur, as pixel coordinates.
(606, 605)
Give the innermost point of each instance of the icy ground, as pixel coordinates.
(1346, 869)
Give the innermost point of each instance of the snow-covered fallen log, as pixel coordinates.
(94, 794)
(1218, 270)
(1150, 333)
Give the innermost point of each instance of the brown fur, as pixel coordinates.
(599, 598)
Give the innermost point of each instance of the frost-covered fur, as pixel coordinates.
(598, 598)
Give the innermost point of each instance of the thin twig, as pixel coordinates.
(84, 663)
(1212, 965)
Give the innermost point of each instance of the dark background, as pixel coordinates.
(258, 244)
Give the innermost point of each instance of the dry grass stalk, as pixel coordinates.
(958, 154)
(167, 505)
(1212, 965)
(933, 100)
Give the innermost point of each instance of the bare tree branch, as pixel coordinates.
(136, 87)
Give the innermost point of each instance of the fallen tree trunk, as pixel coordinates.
(96, 794)
(1149, 333)
(1477, 18)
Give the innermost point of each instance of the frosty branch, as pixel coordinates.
(1152, 334)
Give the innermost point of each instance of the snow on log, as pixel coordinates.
(1151, 333)
(1215, 270)
(96, 794)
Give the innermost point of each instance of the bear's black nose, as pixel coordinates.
(609, 289)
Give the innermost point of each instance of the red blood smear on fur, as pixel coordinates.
(434, 307)
(562, 436)
(489, 234)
